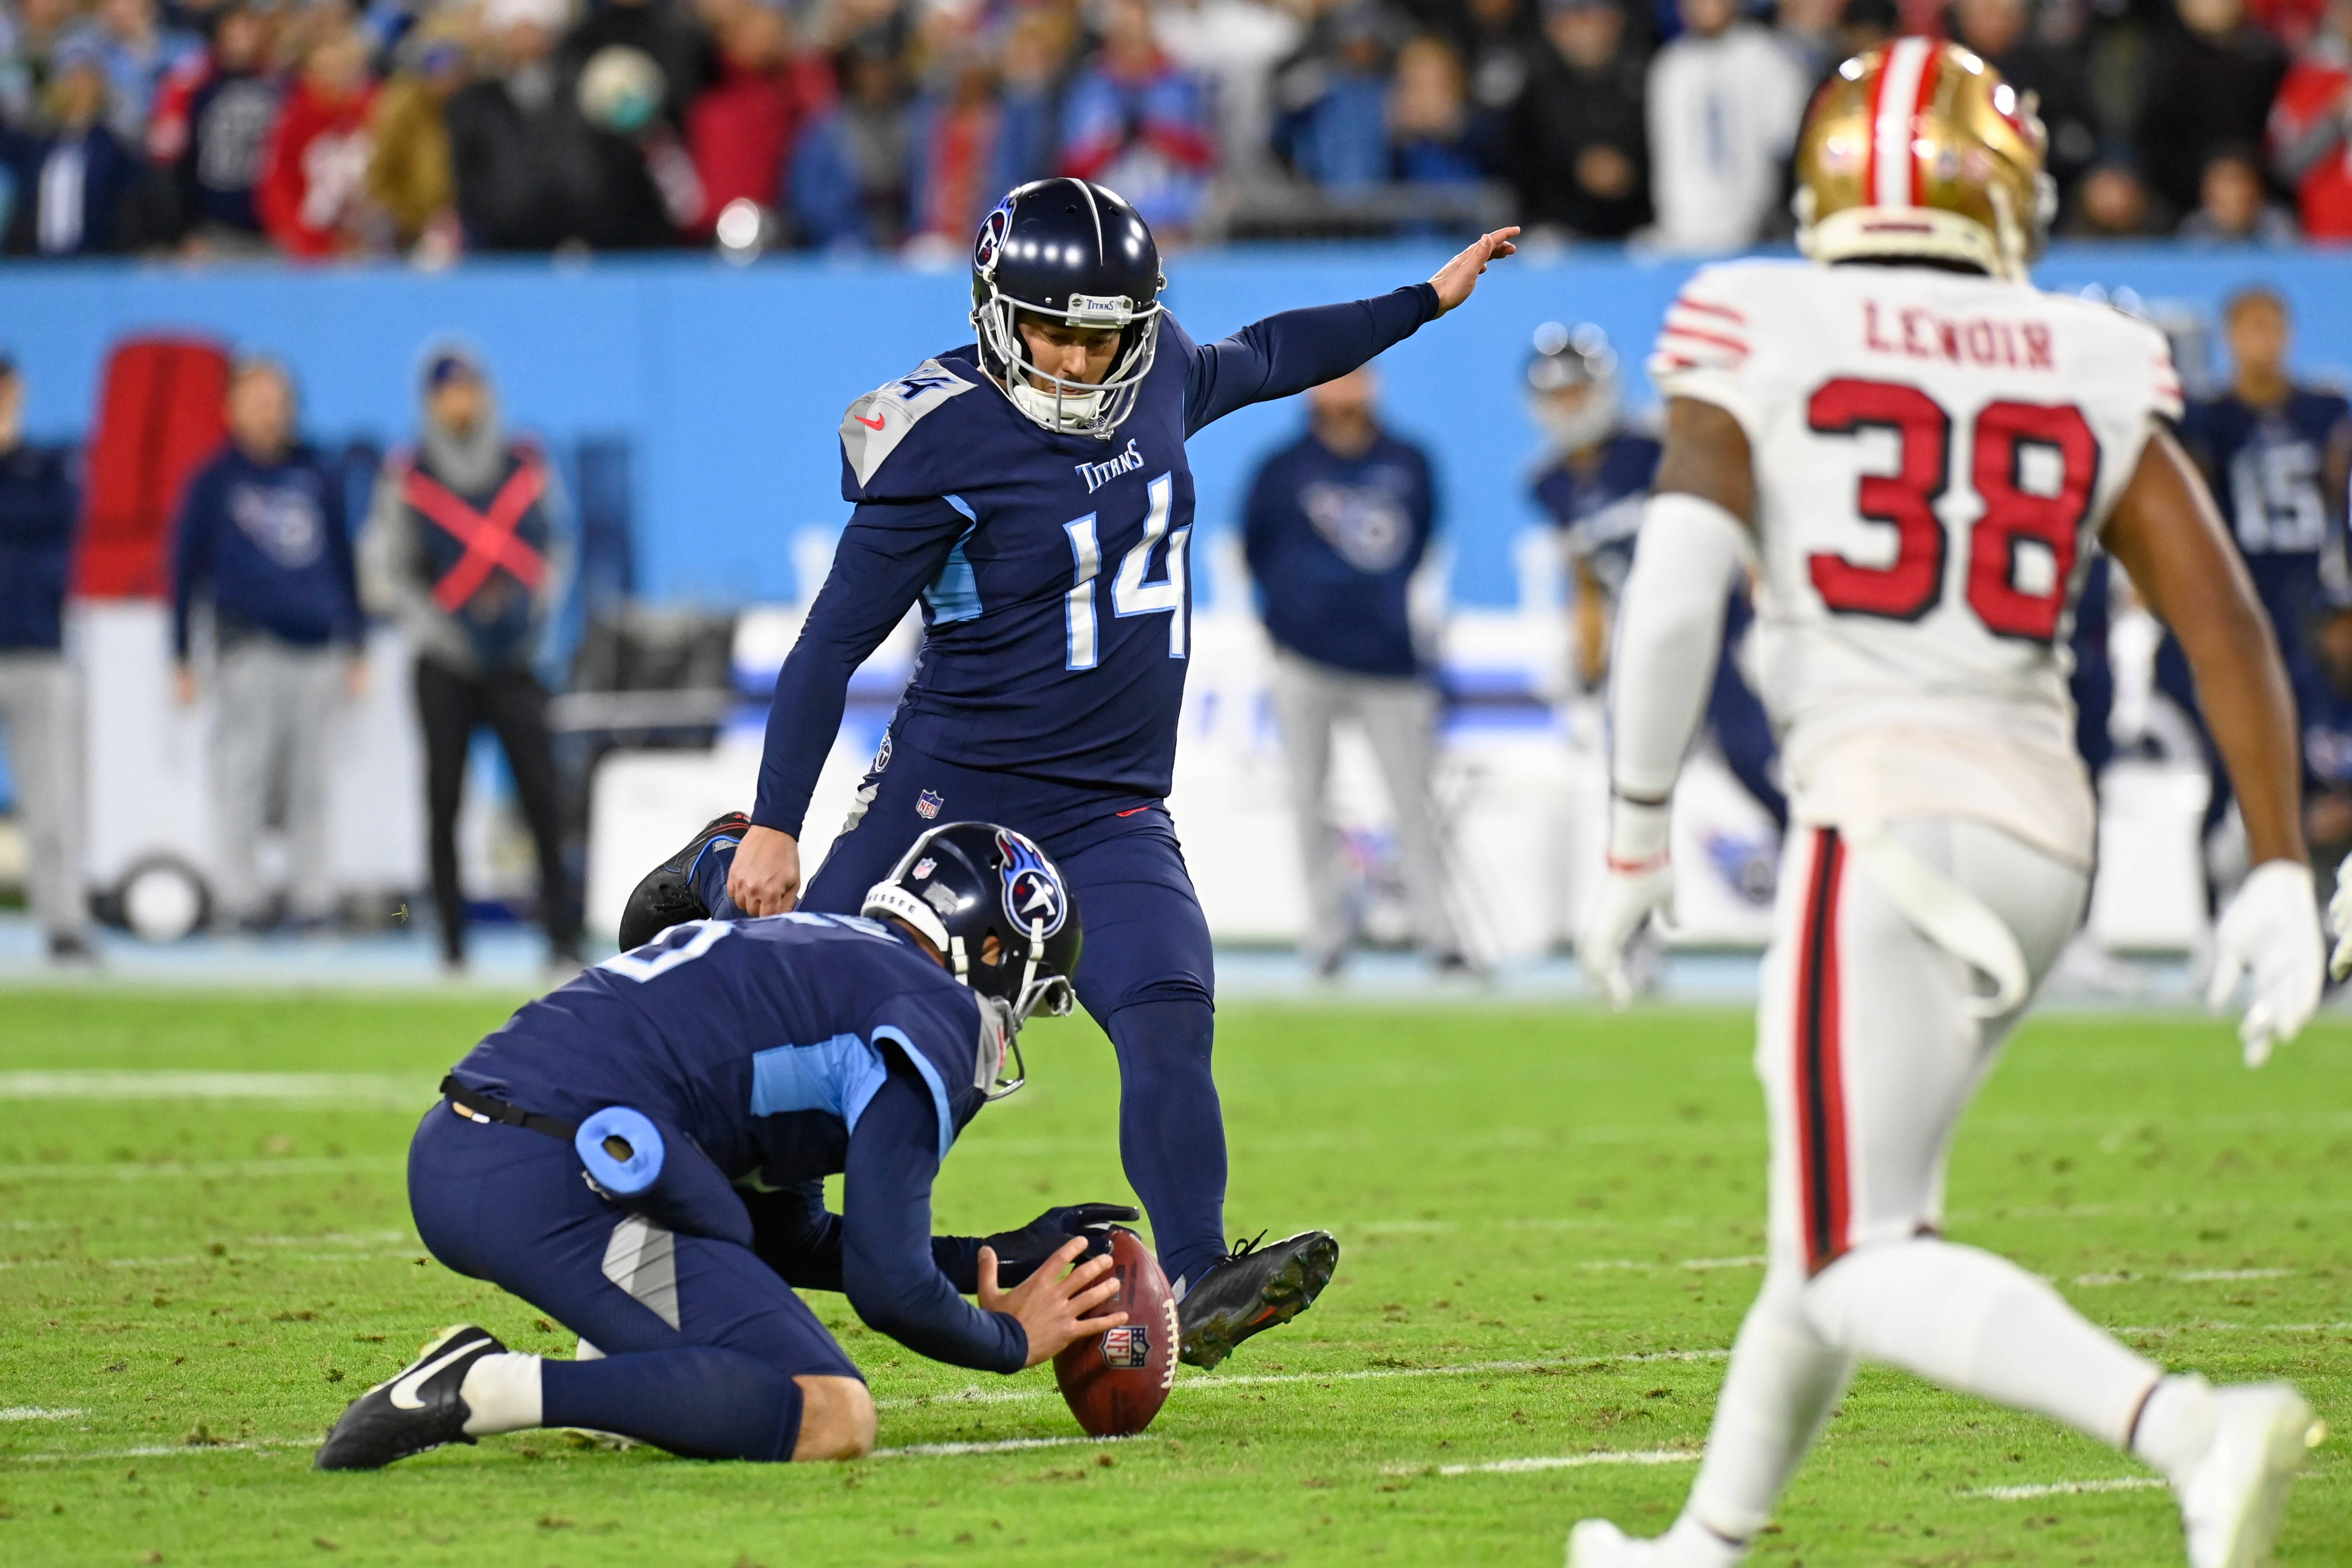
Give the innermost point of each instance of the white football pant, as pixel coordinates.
(1869, 1054)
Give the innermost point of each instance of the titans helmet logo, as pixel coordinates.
(1032, 889)
(991, 243)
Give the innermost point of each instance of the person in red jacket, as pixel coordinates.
(740, 129)
(2309, 123)
(313, 190)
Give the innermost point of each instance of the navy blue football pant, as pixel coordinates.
(1146, 972)
(701, 1339)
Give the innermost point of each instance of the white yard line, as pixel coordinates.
(380, 1090)
(2067, 1488)
(1550, 1462)
(201, 1170)
(35, 1412)
(1209, 1383)
(2184, 1277)
(163, 1451)
(1002, 1445)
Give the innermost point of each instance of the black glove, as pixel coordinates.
(1019, 1253)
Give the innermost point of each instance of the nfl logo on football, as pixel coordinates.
(1127, 1349)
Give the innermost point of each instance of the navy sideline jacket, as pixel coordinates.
(39, 502)
(269, 543)
(1333, 543)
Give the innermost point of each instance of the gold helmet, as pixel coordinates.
(1920, 149)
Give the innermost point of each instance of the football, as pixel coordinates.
(1115, 1382)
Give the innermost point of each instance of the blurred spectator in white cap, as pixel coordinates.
(1725, 102)
(41, 694)
(1234, 45)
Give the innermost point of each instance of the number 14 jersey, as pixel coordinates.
(1935, 454)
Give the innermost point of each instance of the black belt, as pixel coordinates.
(481, 1107)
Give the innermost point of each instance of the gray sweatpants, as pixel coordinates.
(1400, 718)
(40, 701)
(273, 722)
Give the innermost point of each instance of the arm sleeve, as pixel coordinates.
(887, 553)
(1298, 348)
(1669, 633)
(191, 552)
(887, 1264)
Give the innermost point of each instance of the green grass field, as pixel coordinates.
(1550, 1220)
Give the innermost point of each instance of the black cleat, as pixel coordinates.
(666, 898)
(1253, 1288)
(418, 1410)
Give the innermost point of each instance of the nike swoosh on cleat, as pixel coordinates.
(403, 1387)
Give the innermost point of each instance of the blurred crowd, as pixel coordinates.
(429, 128)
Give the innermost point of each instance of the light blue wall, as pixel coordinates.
(731, 382)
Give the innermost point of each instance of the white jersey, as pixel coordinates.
(1935, 454)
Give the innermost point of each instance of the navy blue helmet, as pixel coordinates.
(1070, 250)
(963, 882)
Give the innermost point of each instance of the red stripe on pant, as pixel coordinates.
(1820, 1088)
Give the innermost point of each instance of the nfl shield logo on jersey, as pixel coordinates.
(1127, 1348)
(928, 805)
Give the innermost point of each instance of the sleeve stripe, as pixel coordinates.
(1717, 339)
(1672, 362)
(1685, 303)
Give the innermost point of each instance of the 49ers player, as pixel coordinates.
(1922, 452)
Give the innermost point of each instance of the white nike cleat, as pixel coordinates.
(419, 1409)
(2234, 1499)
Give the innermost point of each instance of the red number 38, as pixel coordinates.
(1909, 586)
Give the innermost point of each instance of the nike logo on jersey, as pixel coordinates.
(404, 1387)
(869, 424)
(1098, 474)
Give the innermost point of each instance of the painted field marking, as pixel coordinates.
(1000, 1446)
(2184, 1277)
(35, 1412)
(383, 1090)
(1209, 1383)
(1551, 1462)
(201, 1170)
(2067, 1488)
(164, 1451)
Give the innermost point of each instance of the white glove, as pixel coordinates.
(2270, 936)
(2339, 908)
(1640, 882)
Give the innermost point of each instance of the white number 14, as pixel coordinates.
(1129, 593)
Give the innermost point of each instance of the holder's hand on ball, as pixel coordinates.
(1020, 1253)
(765, 879)
(1051, 1306)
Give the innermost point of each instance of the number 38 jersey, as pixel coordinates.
(1935, 454)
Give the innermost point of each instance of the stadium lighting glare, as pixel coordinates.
(742, 230)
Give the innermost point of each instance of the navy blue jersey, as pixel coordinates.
(1052, 569)
(1600, 512)
(1333, 543)
(762, 1039)
(2268, 468)
(2326, 737)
